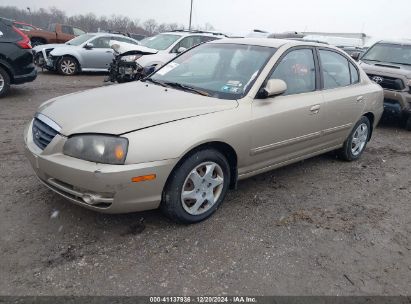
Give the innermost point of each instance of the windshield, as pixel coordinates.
(390, 53)
(80, 39)
(160, 42)
(225, 71)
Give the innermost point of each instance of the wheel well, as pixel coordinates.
(371, 118)
(8, 72)
(71, 56)
(221, 147)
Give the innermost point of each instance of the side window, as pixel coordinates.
(67, 29)
(297, 69)
(52, 27)
(187, 43)
(208, 38)
(335, 69)
(78, 32)
(354, 74)
(101, 43)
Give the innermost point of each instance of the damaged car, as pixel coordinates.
(182, 137)
(86, 53)
(139, 61)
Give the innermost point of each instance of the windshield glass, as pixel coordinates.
(225, 71)
(390, 53)
(80, 39)
(160, 42)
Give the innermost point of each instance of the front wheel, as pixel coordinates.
(356, 142)
(67, 66)
(197, 187)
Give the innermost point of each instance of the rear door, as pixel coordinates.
(290, 126)
(343, 94)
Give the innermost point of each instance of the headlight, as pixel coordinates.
(409, 82)
(130, 58)
(103, 149)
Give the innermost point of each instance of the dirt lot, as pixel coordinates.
(321, 226)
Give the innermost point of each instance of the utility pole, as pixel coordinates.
(31, 16)
(191, 14)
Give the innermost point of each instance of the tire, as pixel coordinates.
(199, 189)
(67, 66)
(36, 42)
(356, 142)
(4, 82)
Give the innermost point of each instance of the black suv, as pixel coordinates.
(16, 57)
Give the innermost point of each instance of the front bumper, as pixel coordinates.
(100, 187)
(397, 103)
(25, 78)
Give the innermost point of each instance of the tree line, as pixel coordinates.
(90, 22)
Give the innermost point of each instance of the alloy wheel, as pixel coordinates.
(202, 188)
(359, 139)
(68, 66)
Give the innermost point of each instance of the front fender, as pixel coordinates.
(174, 139)
(60, 52)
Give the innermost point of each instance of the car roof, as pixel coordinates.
(109, 34)
(195, 33)
(400, 41)
(271, 42)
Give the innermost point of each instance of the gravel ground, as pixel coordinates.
(321, 226)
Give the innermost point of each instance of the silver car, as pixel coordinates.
(86, 53)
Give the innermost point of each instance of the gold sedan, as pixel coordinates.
(220, 112)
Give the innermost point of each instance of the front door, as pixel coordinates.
(99, 56)
(289, 126)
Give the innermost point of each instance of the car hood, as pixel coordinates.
(41, 47)
(119, 109)
(388, 69)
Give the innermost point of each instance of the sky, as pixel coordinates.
(377, 18)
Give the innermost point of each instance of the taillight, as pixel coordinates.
(24, 43)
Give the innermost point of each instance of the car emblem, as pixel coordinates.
(37, 133)
(377, 79)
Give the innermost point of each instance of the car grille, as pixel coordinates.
(389, 83)
(43, 134)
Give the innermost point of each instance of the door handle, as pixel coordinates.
(315, 109)
(360, 98)
(108, 51)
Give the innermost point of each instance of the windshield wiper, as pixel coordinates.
(186, 88)
(402, 63)
(154, 81)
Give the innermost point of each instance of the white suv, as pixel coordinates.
(170, 44)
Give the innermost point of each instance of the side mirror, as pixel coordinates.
(89, 46)
(356, 56)
(273, 87)
(181, 49)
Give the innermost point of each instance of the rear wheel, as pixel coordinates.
(67, 66)
(4, 82)
(197, 188)
(356, 142)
